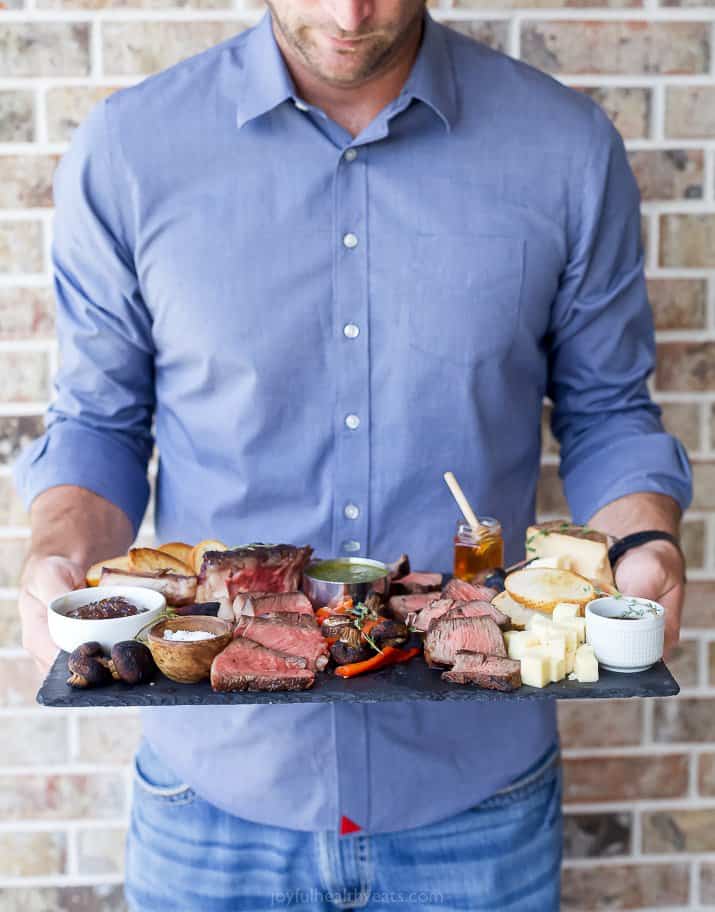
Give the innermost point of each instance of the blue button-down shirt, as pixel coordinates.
(312, 329)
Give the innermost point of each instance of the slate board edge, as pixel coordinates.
(387, 686)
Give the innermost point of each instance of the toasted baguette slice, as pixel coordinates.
(542, 589)
(116, 563)
(180, 550)
(198, 551)
(518, 615)
(143, 560)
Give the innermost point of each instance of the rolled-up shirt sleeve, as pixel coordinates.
(602, 347)
(98, 427)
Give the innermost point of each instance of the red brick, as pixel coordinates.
(625, 778)
(666, 174)
(690, 111)
(597, 835)
(624, 886)
(678, 831)
(685, 367)
(684, 719)
(699, 604)
(601, 723)
(62, 797)
(687, 241)
(625, 47)
(678, 303)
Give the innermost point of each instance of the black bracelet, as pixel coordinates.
(619, 548)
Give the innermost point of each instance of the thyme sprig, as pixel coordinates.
(362, 613)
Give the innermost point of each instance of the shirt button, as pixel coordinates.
(350, 241)
(352, 422)
(351, 545)
(351, 331)
(351, 511)
(350, 155)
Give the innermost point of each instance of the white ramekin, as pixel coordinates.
(625, 645)
(69, 633)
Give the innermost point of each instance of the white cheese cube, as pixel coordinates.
(565, 610)
(536, 669)
(555, 646)
(539, 620)
(586, 666)
(569, 634)
(557, 669)
(578, 625)
(519, 642)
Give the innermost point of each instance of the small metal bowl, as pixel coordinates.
(327, 592)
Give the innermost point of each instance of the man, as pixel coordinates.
(333, 257)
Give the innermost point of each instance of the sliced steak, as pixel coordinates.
(400, 606)
(448, 635)
(468, 592)
(479, 608)
(246, 665)
(416, 582)
(177, 589)
(254, 568)
(435, 610)
(259, 603)
(492, 672)
(287, 636)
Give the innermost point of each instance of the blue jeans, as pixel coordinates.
(185, 855)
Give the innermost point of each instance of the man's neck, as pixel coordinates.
(353, 107)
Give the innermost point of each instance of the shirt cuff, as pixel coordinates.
(68, 454)
(654, 463)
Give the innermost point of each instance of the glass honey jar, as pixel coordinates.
(483, 550)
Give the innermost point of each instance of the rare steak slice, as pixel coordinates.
(448, 635)
(400, 606)
(433, 612)
(468, 592)
(289, 636)
(479, 608)
(257, 603)
(492, 672)
(253, 568)
(246, 665)
(416, 582)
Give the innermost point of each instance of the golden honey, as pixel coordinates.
(476, 552)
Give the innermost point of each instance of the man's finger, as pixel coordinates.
(35, 634)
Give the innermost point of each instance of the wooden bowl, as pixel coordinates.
(188, 661)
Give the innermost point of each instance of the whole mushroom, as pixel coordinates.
(132, 662)
(88, 667)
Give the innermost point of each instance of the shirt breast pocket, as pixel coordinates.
(467, 296)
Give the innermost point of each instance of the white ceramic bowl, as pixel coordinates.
(625, 645)
(69, 633)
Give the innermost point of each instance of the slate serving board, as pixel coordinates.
(411, 681)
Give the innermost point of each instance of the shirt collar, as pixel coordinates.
(269, 82)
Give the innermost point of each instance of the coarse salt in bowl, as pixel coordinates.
(627, 633)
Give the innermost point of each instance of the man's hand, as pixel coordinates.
(656, 571)
(43, 579)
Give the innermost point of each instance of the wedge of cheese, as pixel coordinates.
(584, 550)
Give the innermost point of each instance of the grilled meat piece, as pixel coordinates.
(288, 635)
(468, 592)
(260, 603)
(416, 582)
(448, 635)
(400, 606)
(255, 568)
(389, 632)
(421, 620)
(176, 589)
(399, 568)
(461, 609)
(345, 653)
(246, 665)
(492, 672)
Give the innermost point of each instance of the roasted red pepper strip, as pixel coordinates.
(390, 655)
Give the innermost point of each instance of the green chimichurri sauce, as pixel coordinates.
(337, 571)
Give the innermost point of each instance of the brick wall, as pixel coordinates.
(640, 776)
